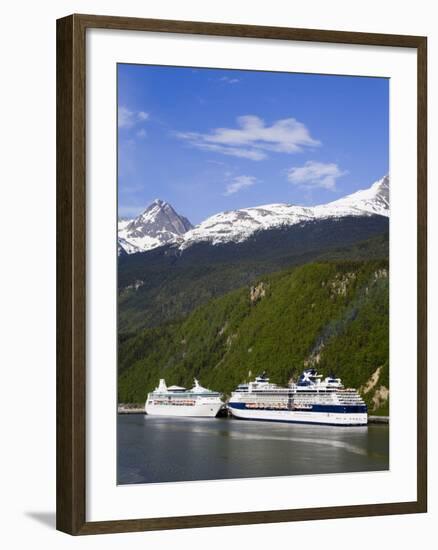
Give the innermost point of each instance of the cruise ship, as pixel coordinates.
(311, 400)
(179, 401)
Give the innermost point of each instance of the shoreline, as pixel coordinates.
(137, 409)
(378, 419)
(130, 409)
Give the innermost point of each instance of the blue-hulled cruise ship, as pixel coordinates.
(311, 400)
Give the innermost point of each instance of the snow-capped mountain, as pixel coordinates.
(125, 247)
(237, 225)
(371, 201)
(159, 224)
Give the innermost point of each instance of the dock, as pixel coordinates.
(130, 409)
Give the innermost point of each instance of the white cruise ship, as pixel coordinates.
(178, 401)
(311, 401)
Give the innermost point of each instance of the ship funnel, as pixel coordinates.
(197, 386)
(162, 385)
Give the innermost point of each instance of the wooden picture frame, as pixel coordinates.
(71, 273)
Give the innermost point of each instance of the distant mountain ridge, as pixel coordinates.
(160, 224)
(238, 225)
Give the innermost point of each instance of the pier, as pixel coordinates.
(130, 408)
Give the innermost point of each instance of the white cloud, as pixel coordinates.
(142, 133)
(229, 80)
(252, 139)
(238, 183)
(316, 174)
(240, 152)
(128, 118)
(125, 117)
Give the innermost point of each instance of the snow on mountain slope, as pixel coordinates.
(238, 225)
(374, 200)
(124, 247)
(122, 223)
(159, 224)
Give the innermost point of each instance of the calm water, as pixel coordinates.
(153, 449)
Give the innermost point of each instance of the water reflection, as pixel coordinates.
(154, 449)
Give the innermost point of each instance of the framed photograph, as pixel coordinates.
(241, 287)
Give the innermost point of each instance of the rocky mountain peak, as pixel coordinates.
(158, 224)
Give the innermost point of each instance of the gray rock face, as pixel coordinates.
(159, 224)
(158, 220)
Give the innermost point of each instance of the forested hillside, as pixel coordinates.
(165, 284)
(330, 314)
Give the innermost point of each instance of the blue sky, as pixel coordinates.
(208, 140)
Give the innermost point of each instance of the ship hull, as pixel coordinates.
(301, 417)
(205, 410)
